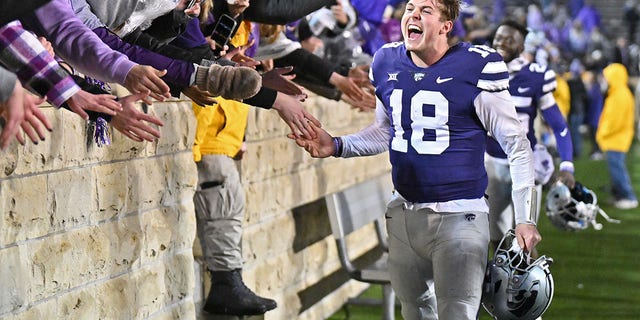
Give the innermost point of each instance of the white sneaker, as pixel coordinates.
(626, 204)
(597, 156)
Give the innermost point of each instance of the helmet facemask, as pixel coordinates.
(517, 286)
(575, 209)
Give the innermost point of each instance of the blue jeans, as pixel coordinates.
(621, 187)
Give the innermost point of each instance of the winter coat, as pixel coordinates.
(615, 129)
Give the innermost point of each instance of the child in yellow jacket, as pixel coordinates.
(220, 201)
(615, 134)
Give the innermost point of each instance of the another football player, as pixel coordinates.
(531, 86)
(435, 106)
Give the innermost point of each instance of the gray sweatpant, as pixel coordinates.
(219, 203)
(437, 262)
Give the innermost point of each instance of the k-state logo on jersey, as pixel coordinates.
(418, 76)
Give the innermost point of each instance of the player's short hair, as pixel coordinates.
(450, 9)
(516, 25)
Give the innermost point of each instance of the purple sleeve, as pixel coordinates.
(254, 36)
(179, 72)
(554, 118)
(23, 54)
(76, 44)
(191, 37)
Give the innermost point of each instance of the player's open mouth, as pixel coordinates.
(413, 32)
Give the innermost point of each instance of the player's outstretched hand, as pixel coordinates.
(528, 236)
(104, 103)
(130, 121)
(295, 116)
(319, 146)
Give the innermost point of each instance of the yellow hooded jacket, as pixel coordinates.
(615, 129)
(220, 127)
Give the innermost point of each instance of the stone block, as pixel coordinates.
(65, 261)
(80, 304)
(167, 231)
(147, 184)
(111, 183)
(72, 197)
(24, 209)
(45, 310)
(15, 278)
(262, 240)
(116, 298)
(178, 131)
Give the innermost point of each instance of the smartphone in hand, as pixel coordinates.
(223, 31)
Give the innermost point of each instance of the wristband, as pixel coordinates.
(566, 166)
(337, 143)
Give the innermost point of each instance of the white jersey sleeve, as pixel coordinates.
(498, 115)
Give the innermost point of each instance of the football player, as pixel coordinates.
(531, 86)
(435, 106)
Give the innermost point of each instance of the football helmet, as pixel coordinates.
(515, 285)
(574, 209)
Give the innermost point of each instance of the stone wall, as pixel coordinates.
(99, 233)
(108, 233)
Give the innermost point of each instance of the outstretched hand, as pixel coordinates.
(104, 103)
(22, 111)
(13, 113)
(277, 79)
(347, 86)
(320, 145)
(294, 115)
(200, 97)
(33, 117)
(130, 120)
(366, 104)
(360, 75)
(145, 78)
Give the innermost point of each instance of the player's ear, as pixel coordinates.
(447, 26)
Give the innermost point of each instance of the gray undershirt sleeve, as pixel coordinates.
(7, 84)
(371, 140)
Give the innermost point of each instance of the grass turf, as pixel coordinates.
(596, 273)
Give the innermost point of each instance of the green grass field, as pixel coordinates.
(596, 273)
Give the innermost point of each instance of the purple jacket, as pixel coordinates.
(23, 54)
(77, 44)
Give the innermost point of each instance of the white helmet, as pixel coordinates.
(515, 286)
(575, 209)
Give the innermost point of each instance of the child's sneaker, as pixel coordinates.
(626, 204)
